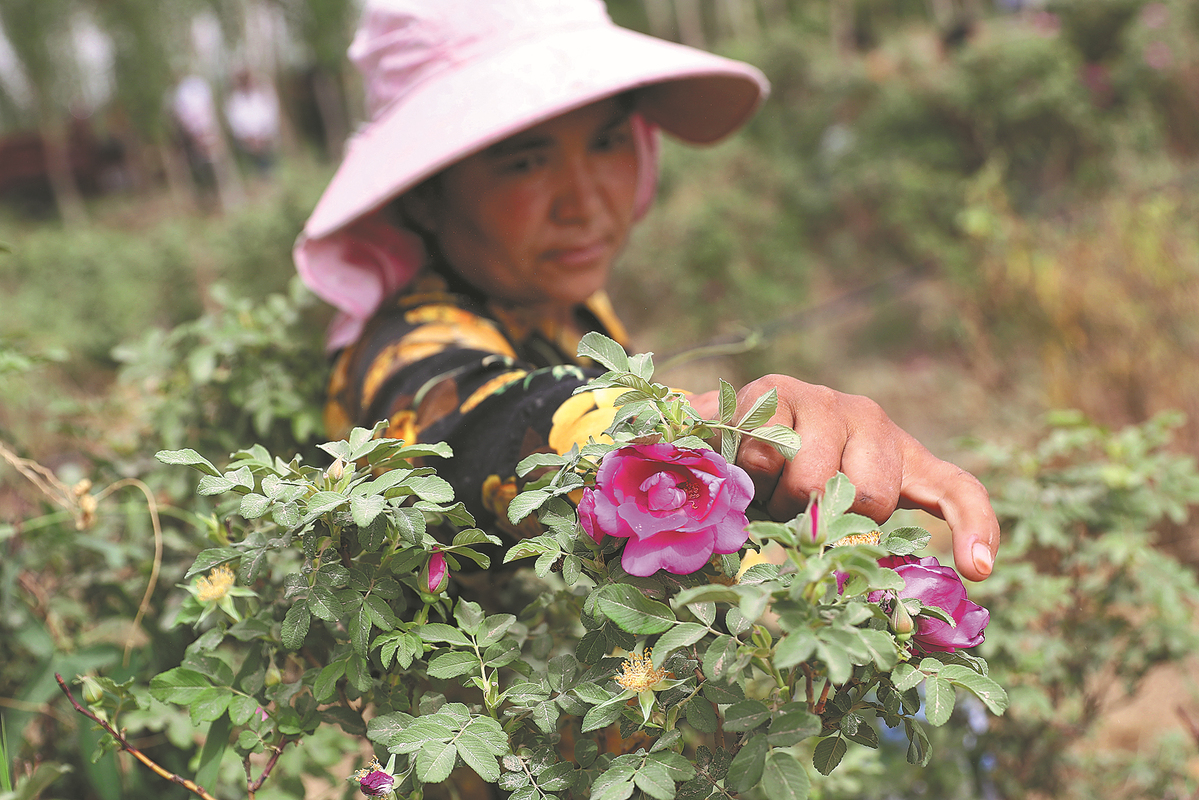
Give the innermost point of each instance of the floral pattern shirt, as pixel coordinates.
(441, 362)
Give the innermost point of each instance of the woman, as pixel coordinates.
(467, 237)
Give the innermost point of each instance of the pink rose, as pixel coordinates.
(675, 506)
(934, 585)
(434, 578)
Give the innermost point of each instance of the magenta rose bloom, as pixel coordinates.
(675, 506)
(934, 585)
(435, 574)
(376, 784)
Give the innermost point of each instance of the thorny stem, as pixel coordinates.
(133, 751)
(251, 788)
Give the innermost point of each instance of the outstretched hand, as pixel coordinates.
(890, 469)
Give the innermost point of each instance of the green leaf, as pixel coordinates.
(212, 557)
(436, 761)
(785, 778)
(453, 664)
(525, 504)
(209, 704)
(905, 676)
(602, 716)
(365, 508)
(187, 458)
(880, 646)
(654, 781)
(720, 657)
(326, 681)
(760, 412)
(838, 496)
(632, 611)
(792, 728)
(794, 648)
(987, 690)
(178, 685)
(380, 612)
(745, 715)
(939, 698)
(905, 541)
(828, 754)
(295, 626)
(478, 756)
(681, 635)
(241, 708)
(213, 484)
(745, 772)
(254, 505)
(782, 438)
(728, 402)
(919, 750)
(602, 350)
(322, 602)
(323, 503)
(701, 715)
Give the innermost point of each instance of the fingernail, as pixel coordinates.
(983, 560)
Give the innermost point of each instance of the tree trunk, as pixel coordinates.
(56, 149)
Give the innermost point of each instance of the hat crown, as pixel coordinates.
(401, 43)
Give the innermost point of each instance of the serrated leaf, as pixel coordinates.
(213, 484)
(760, 411)
(905, 677)
(828, 754)
(745, 715)
(365, 508)
(436, 761)
(478, 756)
(212, 557)
(187, 458)
(792, 728)
(905, 541)
(453, 665)
(210, 704)
(253, 505)
(785, 778)
(747, 766)
(295, 626)
(632, 611)
(605, 351)
(681, 635)
(654, 781)
(728, 402)
(525, 504)
(782, 438)
(178, 685)
(939, 699)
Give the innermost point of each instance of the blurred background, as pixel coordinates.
(980, 213)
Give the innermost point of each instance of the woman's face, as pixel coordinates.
(538, 218)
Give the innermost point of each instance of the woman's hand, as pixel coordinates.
(890, 469)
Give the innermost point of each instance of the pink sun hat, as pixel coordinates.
(445, 79)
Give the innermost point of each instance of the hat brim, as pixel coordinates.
(694, 95)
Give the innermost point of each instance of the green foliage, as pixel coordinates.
(244, 371)
(330, 565)
(1087, 605)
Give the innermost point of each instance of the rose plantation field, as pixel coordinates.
(998, 249)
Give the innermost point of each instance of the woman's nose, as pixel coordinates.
(578, 191)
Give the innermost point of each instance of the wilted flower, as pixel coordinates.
(374, 780)
(935, 585)
(435, 574)
(676, 506)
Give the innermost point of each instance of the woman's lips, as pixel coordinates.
(578, 256)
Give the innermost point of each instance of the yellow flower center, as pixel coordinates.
(638, 672)
(216, 585)
(860, 538)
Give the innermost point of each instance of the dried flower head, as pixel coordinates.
(373, 779)
(639, 674)
(871, 538)
(213, 587)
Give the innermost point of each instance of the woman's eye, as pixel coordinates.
(612, 140)
(521, 165)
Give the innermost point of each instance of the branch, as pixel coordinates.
(266, 771)
(133, 751)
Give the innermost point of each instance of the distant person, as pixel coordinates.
(252, 111)
(469, 234)
(195, 115)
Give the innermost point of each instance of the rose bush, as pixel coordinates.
(676, 506)
(926, 580)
